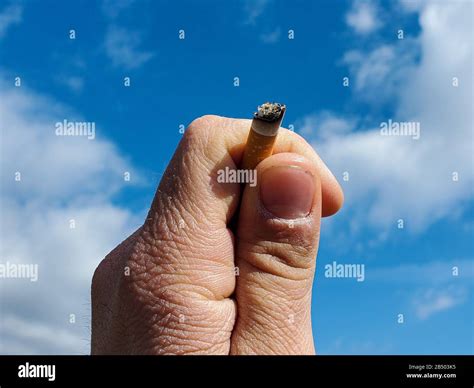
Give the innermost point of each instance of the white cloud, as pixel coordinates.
(8, 17)
(378, 74)
(326, 124)
(432, 272)
(413, 5)
(61, 179)
(121, 44)
(434, 301)
(253, 9)
(112, 8)
(271, 37)
(74, 83)
(363, 17)
(398, 177)
(24, 337)
(53, 167)
(122, 47)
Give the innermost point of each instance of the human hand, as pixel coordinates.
(189, 282)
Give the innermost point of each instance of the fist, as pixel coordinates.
(219, 267)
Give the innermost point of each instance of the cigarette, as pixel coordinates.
(263, 133)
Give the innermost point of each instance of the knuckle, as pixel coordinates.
(291, 244)
(298, 139)
(278, 259)
(98, 278)
(201, 126)
(109, 273)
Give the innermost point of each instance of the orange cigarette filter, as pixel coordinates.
(263, 133)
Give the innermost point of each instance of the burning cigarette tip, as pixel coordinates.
(263, 133)
(270, 112)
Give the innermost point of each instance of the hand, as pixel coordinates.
(188, 283)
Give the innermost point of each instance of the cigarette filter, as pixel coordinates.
(263, 133)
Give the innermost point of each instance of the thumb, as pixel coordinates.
(277, 242)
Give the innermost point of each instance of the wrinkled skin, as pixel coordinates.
(171, 287)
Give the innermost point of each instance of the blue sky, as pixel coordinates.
(408, 271)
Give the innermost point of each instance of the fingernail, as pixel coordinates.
(287, 191)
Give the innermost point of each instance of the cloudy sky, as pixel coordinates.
(343, 67)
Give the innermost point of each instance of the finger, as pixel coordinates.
(277, 242)
(289, 141)
(191, 208)
(331, 192)
(182, 264)
(198, 201)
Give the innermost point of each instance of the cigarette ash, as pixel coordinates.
(270, 111)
